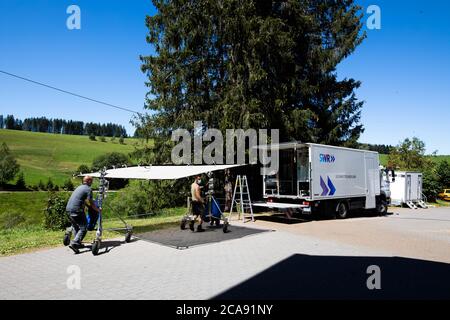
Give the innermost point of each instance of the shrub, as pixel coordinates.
(82, 169)
(443, 174)
(143, 197)
(50, 186)
(8, 165)
(102, 139)
(121, 140)
(92, 137)
(55, 213)
(68, 185)
(109, 160)
(20, 184)
(41, 186)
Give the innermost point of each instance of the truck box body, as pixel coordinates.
(406, 187)
(313, 172)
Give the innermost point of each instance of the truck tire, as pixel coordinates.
(342, 210)
(382, 207)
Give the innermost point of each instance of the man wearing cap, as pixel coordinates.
(75, 209)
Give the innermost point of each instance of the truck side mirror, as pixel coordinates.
(393, 176)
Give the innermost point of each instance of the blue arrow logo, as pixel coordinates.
(331, 186)
(324, 187)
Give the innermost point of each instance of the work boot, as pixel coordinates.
(200, 229)
(74, 246)
(191, 225)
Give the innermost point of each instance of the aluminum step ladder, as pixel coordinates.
(241, 197)
(411, 205)
(422, 204)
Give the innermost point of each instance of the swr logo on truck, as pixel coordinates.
(328, 189)
(327, 158)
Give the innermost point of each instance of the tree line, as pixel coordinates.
(409, 155)
(61, 126)
(380, 148)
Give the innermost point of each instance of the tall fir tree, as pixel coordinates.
(254, 64)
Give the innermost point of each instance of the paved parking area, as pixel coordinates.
(243, 268)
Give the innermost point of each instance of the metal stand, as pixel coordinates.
(96, 244)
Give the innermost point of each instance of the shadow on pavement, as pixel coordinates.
(342, 277)
(298, 218)
(106, 246)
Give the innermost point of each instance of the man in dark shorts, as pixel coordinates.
(197, 203)
(75, 210)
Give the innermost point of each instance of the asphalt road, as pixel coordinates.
(405, 255)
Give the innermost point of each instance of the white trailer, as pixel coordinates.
(315, 178)
(407, 189)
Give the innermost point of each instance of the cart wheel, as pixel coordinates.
(225, 227)
(95, 247)
(183, 224)
(128, 237)
(66, 239)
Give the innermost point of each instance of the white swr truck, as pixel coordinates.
(320, 178)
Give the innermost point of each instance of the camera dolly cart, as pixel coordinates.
(94, 219)
(213, 213)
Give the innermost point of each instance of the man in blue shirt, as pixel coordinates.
(75, 209)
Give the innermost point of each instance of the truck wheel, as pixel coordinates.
(342, 211)
(382, 208)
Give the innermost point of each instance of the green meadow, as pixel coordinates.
(45, 155)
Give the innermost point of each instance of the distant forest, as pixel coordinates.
(380, 148)
(61, 126)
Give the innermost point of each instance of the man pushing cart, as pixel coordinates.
(81, 197)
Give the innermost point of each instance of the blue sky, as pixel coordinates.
(404, 67)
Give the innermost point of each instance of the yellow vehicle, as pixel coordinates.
(445, 195)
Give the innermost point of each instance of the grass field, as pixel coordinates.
(29, 234)
(32, 237)
(30, 205)
(43, 155)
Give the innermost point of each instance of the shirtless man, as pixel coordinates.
(197, 203)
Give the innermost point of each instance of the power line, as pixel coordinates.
(67, 92)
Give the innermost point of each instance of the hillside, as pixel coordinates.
(44, 155)
(436, 159)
